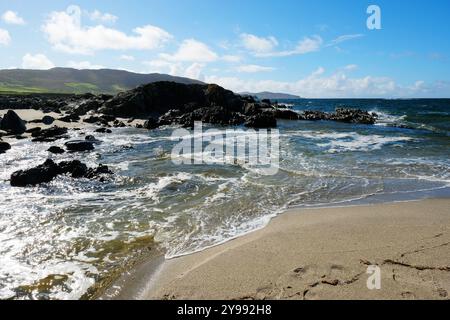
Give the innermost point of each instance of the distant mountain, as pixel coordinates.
(66, 80)
(270, 95)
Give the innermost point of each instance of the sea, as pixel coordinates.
(70, 239)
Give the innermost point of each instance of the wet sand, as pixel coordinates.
(321, 254)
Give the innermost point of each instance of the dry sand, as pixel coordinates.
(323, 254)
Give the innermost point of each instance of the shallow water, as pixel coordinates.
(69, 238)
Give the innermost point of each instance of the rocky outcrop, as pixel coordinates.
(12, 123)
(285, 114)
(346, 115)
(43, 173)
(103, 130)
(261, 121)
(354, 116)
(166, 103)
(4, 146)
(56, 150)
(151, 123)
(49, 135)
(158, 98)
(79, 146)
(49, 170)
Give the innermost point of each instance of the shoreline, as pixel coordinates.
(214, 272)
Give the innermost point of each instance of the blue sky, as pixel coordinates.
(309, 48)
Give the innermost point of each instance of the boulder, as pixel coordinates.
(285, 114)
(158, 98)
(98, 172)
(75, 168)
(56, 150)
(79, 146)
(119, 124)
(313, 115)
(92, 139)
(261, 121)
(91, 119)
(70, 118)
(12, 123)
(49, 135)
(103, 130)
(354, 116)
(151, 123)
(33, 130)
(4, 146)
(47, 120)
(41, 174)
(49, 170)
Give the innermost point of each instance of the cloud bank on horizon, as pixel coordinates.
(319, 50)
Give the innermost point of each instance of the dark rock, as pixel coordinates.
(157, 98)
(50, 170)
(47, 120)
(20, 137)
(56, 150)
(285, 114)
(119, 124)
(313, 115)
(91, 119)
(32, 130)
(49, 135)
(12, 123)
(41, 174)
(139, 126)
(35, 121)
(151, 123)
(92, 139)
(107, 118)
(171, 116)
(354, 116)
(4, 146)
(261, 121)
(70, 118)
(97, 172)
(103, 130)
(79, 146)
(75, 168)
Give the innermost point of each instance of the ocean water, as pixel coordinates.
(70, 238)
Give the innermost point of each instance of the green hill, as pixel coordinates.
(66, 80)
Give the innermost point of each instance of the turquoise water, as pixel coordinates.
(67, 239)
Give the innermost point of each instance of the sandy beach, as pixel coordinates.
(322, 254)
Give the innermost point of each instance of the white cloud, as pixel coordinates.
(65, 32)
(335, 85)
(102, 17)
(83, 65)
(231, 58)
(127, 57)
(192, 50)
(5, 38)
(36, 62)
(307, 45)
(163, 66)
(193, 71)
(11, 17)
(351, 67)
(258, 44)
(253, 68)
(344, 38)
